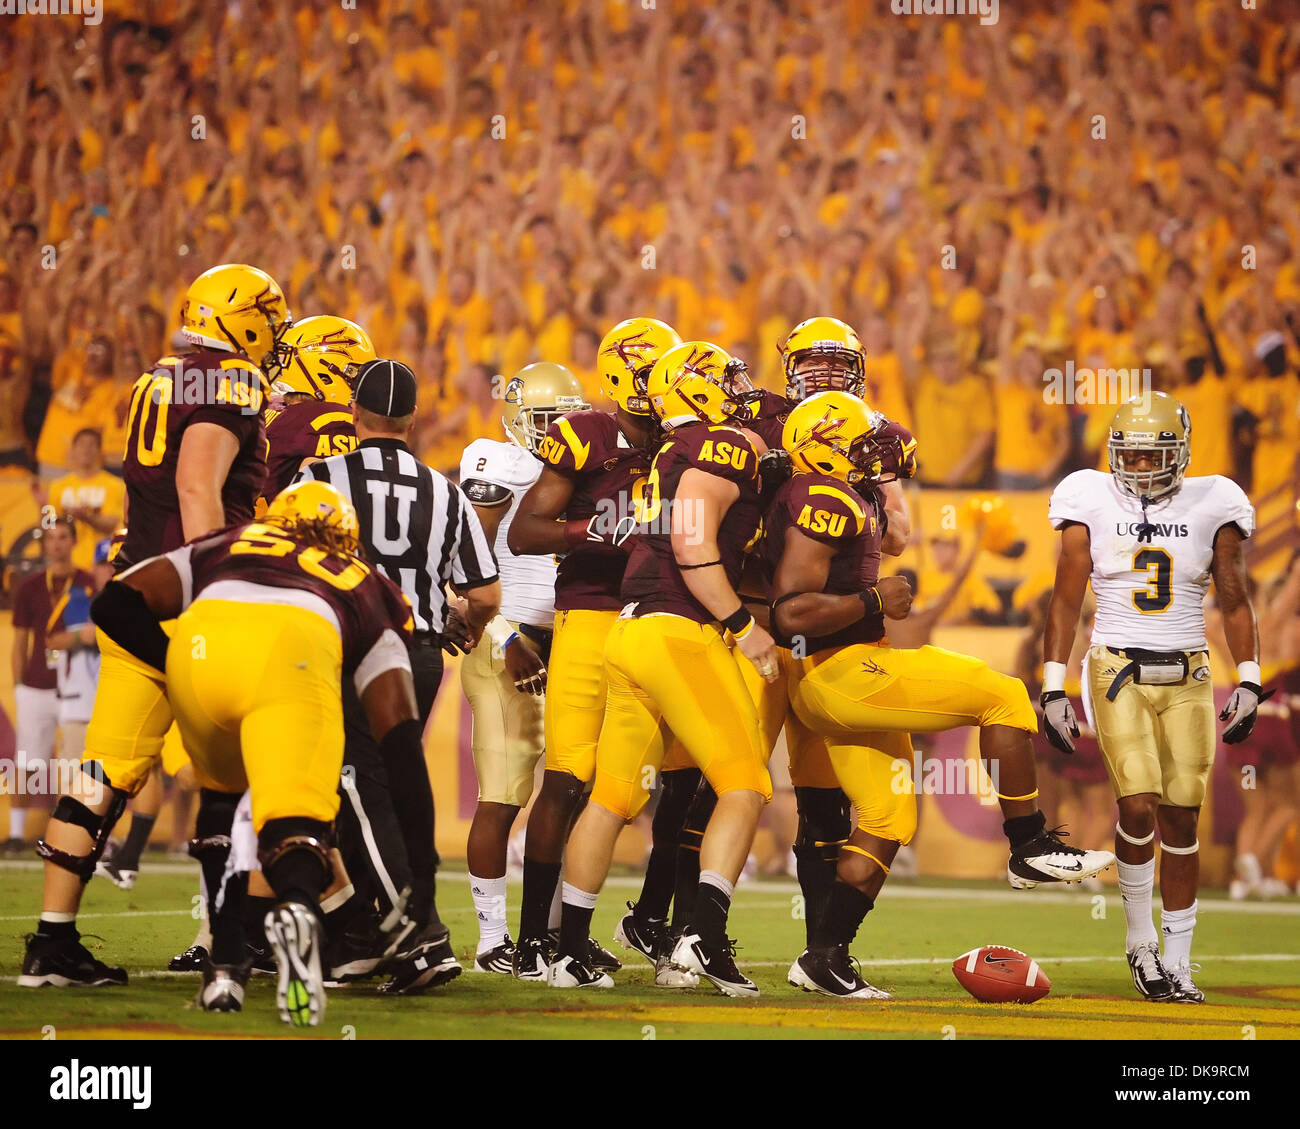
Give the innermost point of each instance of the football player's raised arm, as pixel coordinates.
(206, 454)
(537, 526)
(132, 608)
(1073, 568)
(1232, 593)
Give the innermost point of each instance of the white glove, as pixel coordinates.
(1240, 711)
(1059, 722)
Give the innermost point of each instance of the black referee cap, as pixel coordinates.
(386, 388)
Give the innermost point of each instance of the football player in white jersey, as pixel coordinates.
(504, 677)
(1151, 540)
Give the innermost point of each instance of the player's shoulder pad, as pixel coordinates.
(826, 509)
(1227, 504)
(1075, 496)
(575, 443)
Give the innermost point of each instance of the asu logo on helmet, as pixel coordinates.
(237, 308)
(627, 354)
(320, 357)
(831, 433)
(701, 379)
(320, 511)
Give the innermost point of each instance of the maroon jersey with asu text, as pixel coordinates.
(832, 512)
(308, 429)
(253, 557)
(608, 472)
(206, 386)
(769, 418)
(654, 581)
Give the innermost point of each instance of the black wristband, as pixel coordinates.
(871, 601)
(738, 620)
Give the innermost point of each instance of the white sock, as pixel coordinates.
(1178, 925)
(580, 898)
(713, 878)
(17, 822)
(203, 938)
(490, 905)
(557, 900)
(1136, 880)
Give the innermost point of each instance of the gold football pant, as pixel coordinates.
(509, 734)
(875, 771)
(865, 687)
(130, 716)
(256, 692)
(576, 692)
(810, 762)
(1157, 739)
(668, 674)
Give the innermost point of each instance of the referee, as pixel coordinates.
(422, 533)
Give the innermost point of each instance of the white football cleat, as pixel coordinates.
(669, 975)
(1045, 858)
(566, 972)
(295, 935)
(833, 974)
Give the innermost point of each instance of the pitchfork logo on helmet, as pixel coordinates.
(831, 433)
(626, 356)
(1150, 445)
(237, 308)
(701, 379)
(321, 511)
(320, 356)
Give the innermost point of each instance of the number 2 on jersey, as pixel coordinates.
(1158, 593)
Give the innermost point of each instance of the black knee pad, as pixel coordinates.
(216, 816)
(679, 788)
(293, 849)
(824, 820)
(568, 786)
(98, 827)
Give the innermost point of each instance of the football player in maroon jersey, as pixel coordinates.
(194, 462)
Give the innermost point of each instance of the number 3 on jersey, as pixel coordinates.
(1158, 593)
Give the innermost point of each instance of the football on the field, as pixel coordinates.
(998, 975)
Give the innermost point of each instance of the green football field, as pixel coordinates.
(1250, 953)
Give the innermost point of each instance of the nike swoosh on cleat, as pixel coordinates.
(838, 980)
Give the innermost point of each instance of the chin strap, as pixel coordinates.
(1146, 531)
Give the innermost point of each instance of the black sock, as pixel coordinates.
(128, 858)
(1023, 828)
(255, 911)
(710, 917)
(227, 924)
(57, 930)
(299, 876)
(688, 854)
(846, 906)
(342, 918)
(679, 787)
(540, 879)
(575, 930)
(816, 880)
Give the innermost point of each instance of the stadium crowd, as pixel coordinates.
(1117, 188)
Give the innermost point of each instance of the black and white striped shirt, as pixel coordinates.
(416, 526)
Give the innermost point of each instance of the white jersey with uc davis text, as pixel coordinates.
(527, 582)
(1150, 594)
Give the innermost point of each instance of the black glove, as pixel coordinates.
(774, 467)
(1059, 722)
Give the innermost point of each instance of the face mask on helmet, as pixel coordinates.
(744, 398)
(823, 370)
(1147, 468)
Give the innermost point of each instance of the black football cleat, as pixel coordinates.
(830, 972)
(354, 954)
(714, 963)
(1149, 975)
(1046, 858)
(427, 962)
(566, 972)
(532, 958)
(223, 987)
(647, 938)
(194, 959)
(64, 962)
(500, 960)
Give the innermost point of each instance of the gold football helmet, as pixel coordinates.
(237, 308)
(1156, 426)
(320, 356)
(319, 510)
(536, 395)
(836, 345)
(626, 356)
(701, 379)
(830, 433)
